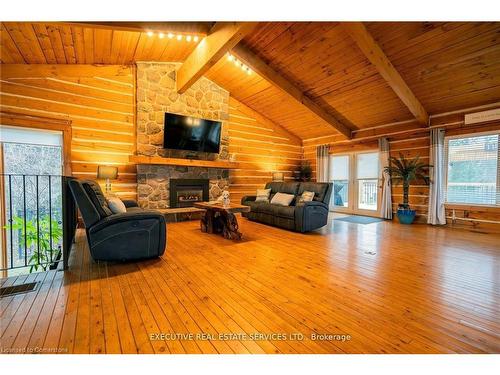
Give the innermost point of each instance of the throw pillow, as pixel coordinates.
(262, 195)
(307, 196)
(116, 205)
(282, 199)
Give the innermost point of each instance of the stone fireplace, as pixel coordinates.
(157, 94)
(184, 192)
(154, 182)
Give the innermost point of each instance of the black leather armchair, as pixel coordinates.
(300, 217)
(135, 234)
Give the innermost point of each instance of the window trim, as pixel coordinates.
(463, 205)
(43, 123)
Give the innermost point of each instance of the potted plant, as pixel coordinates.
(303, 172)
(404, 171)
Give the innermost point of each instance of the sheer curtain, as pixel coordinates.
(323, 166)
(323, 163)
(386, 201)
(436, 214)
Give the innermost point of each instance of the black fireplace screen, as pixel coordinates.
(185, 192)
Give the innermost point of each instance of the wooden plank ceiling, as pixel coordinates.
(447, 66)
(52, 43)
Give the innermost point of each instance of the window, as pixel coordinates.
(339, 175)
(472, 168)
(367, 175)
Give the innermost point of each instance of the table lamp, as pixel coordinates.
(278, 176)
(108, 173)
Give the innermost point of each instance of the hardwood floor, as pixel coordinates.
(391, 288)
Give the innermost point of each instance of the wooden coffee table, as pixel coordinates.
(221, 219)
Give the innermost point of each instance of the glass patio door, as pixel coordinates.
(355, 178)
(340, 167)
(367, 181)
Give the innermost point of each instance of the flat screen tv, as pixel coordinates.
(191, 133)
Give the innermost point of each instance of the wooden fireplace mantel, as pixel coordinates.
(137, 159)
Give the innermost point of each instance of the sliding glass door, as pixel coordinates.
(355, 178)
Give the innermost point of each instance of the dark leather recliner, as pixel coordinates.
(132, 235)
(299, 217)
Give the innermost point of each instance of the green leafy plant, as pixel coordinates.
(49, 231)
(304, 171)
(404, 171)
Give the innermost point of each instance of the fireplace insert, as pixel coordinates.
(185, 192)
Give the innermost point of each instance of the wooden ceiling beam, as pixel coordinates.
(377, 57)
(222, 37)
(191, 28)
(268, 73)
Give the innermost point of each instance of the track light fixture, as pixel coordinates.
(179, 37)
(232, 58)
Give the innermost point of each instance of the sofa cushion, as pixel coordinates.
(287, 212)
(257, 206)
(283, 199)
(116, 205)
(306, 196)
(262, 195)
(319, 189)
(134, 209)
(283, 187)
(98, 199)
(274, 186)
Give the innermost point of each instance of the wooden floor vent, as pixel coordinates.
(17, 289)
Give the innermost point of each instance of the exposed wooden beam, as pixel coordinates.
(192, 28)
(293, 139)
(268, 73)
(377, 57)
(222, 37)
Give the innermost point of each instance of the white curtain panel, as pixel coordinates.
(386, 201)
(323, 163)
(436, 214)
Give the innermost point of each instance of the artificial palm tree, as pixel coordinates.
(404, 171)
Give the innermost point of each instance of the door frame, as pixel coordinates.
(43, 123)
(34, 122)
(354, 186)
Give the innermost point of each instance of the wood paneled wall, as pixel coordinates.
(261, 148)
(412, 142)
(98, 100)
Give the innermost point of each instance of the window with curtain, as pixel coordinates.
(473, 169)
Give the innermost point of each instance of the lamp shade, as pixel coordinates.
(104, 171)
(278, 176)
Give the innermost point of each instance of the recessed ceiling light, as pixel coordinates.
(195, 38)
(150, 33)
(179, 37)
(188, 38)
(170, 35)
(161, 35)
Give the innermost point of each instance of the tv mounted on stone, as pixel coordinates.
(191, 133)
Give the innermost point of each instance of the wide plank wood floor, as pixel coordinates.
(391, 288)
